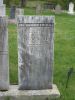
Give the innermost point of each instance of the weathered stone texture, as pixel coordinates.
(14, 94)
(58, 9)
(4, 60)
(35, 51)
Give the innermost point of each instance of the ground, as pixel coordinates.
(64, 52)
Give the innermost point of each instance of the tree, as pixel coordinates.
(11, 2)
(23, 3)
(7, 2)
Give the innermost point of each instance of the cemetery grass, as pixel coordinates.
(64, 53)
(13, 61)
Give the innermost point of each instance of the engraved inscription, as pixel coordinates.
(35, 51)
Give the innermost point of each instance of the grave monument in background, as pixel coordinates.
(2, 8)
(58, 9)
(19, 11)
(12, 11)
(71, 8)
(38, 8)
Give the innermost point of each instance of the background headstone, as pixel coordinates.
(12, 12)
(1, 2)
(4, 62)
(49, 5)
(19, 11)
(38, 9)
(35, 52)
(71, 8)
(2, 8)
(58, 9)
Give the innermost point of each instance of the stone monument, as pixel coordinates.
(35, 60)
(19, 11)
(4, 69)
(35, 52)
(71, 8)
(38, 8)
(58, 9)
(2, 8)
(12, 12)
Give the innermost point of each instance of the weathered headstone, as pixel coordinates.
(4, 63)
(38, 8)
(2, 8)
(35, 52)
(12, 12)
(58, 9)
(19, 11)
(71, 8)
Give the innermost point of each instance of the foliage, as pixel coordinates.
(11, 2)
(63, 3)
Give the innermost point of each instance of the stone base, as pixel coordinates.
(71, 13)
(15, 94)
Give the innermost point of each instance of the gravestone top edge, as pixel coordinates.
(21, 19)
(71, 3)
(35, 16)
(58, 5)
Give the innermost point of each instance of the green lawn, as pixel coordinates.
(64, 51)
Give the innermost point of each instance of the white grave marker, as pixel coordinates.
(2, 8)
(1, 2)
(71, 8)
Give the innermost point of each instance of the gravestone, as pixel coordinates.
(71, 8)
(12, 12)
(58, 9)
(49, 5)
(35, 52)
(19, 11)
(4, 63)
(38, 9)
(2, 8)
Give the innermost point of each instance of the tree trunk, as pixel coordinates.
(23, 3)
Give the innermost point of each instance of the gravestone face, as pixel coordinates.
(4, 64)
(58, 9)
(19, 11)
(12, 12)
(71, 8)
(35, 52)
(38, 9)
